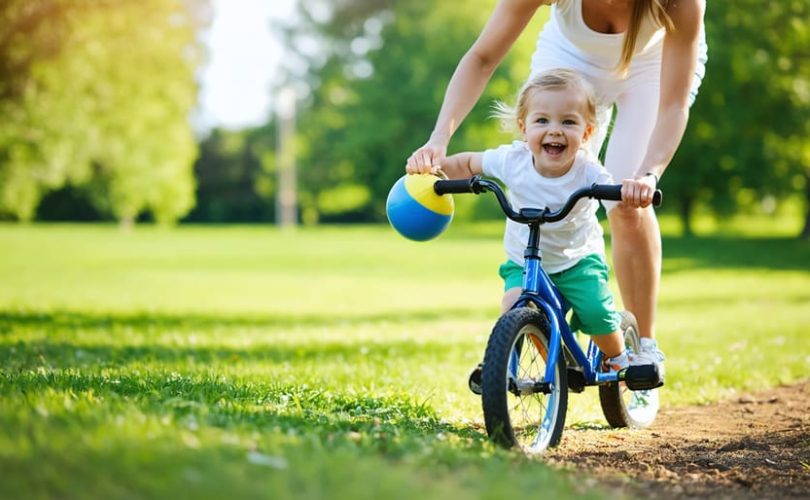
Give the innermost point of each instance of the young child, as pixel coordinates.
(555, 113)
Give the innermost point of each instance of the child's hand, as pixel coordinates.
(427, 159)
(638, 192)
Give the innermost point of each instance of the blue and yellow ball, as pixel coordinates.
(415, 210)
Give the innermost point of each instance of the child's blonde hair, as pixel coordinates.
(553, 79)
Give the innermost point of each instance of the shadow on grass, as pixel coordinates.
(196, 321)
(384, 423)
(61, 354)
(719, 252)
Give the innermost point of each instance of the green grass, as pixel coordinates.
(322, 363)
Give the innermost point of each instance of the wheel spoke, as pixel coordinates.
(527, 417)
(530, 411)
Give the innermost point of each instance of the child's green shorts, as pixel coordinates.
(585, 288)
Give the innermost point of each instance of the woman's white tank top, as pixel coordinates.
(566, 31)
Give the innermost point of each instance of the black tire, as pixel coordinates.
(531, 421)
(621, 406)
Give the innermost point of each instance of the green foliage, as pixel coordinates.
(235, 177)
(343, 198)
(377, 83)
(104, 105)
(95, 98)
(748, 131)
(376, 88)
(199, 362)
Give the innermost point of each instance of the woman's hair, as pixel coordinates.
(553, 79)
(657, 10)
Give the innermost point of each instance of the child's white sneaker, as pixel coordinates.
(616, 363)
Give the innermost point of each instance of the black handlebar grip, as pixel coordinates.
(607, 192)
(614, 192)
(658, 198)
(455, 186)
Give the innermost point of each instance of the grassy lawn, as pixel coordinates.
(322, 363)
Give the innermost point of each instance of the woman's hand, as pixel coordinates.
(639, 192)
(506, 23)
(428, 159)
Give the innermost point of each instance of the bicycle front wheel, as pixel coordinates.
(521, 408)
(621, 406)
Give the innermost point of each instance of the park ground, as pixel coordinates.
(247, 362)
(752, 446)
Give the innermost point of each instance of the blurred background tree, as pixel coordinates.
(375, 72)
(96, 95)
(96, 98)
(747, 143)
(235, 177)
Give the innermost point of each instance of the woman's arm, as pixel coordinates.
(473, 72)
(677, 71)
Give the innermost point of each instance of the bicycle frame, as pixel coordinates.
(537, 286)
(540, 291)
(508, 421)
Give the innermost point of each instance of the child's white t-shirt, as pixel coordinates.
(562, 243)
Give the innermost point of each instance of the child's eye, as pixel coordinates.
(541, 120)
(569, 122)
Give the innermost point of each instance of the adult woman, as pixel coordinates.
(644, 56)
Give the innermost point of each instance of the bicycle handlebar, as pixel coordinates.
(477, 185)
(458, 186)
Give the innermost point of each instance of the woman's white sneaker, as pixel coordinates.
(649, 354)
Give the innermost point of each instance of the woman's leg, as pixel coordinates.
(635, 234)
(636, 244)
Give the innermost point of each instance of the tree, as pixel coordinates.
(378, 69)
(103, 104)
(748, 131)
(375, 92)
(233, 182)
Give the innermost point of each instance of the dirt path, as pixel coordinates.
(754, 446)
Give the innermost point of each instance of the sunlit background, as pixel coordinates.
(244, 62)
(161, 336)
(166, 111)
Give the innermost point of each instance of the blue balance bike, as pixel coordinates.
(533, 359)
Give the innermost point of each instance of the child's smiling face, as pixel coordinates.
(554, 128)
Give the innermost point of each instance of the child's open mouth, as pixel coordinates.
(554, 148)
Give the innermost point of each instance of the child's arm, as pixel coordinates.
(463, 165)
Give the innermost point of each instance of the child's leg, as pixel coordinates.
(509, 298)
(512, 275)
(615, 357)
(585, 288)
(611, 344)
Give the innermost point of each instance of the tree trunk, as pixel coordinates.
(806, 230)
(126, 223)
(686, 215)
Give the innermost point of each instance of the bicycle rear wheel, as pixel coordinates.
(621, 406)
(521, 408)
